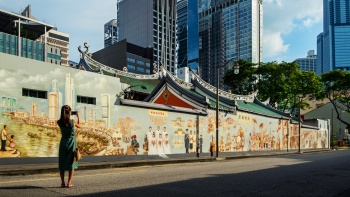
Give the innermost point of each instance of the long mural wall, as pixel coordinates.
(107, 126)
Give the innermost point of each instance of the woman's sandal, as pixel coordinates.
(63, 185)
(69, 185)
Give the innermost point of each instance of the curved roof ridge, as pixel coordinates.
(258, 102)
(179, 81)
(87, 57)
(222, 93)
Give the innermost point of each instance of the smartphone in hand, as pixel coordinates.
(74, 112)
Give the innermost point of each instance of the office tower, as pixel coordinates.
(336, 35)
(187, 34)
(308, 63)
(319, 58)
(228, 30)
(111, 33)
(150, 23)
(57, 47)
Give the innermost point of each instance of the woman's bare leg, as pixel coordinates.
(70, 177)
(62, 177)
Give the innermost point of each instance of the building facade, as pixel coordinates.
(319, 59)
(150, 23)
(187, 34)
(228, 30)
(336, 36)
(308, 63)
(58, 46)
(23, 35)
(111, 33)
(126, 55)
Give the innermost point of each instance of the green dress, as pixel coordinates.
(67, 147)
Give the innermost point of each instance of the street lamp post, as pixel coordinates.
(299, 121)
(236, 71)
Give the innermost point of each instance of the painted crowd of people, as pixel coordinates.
(157, 142)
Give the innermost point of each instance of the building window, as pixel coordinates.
(131, 67)
(86, 100)
(140, 69)
(148, 65)
(34, 93)
(131, 60)
(140, 63)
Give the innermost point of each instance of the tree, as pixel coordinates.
(281, 83)
(337, 90)
(243, 82)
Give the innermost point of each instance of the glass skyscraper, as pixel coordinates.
(228, 29)
(336, 36)
(308, 63)
(149, 24)
(187, 34)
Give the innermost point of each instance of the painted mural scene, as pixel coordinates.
(123, 113)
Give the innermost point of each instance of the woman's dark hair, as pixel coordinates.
(65, 116)
(12, 136)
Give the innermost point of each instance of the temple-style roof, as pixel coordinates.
(163, 88)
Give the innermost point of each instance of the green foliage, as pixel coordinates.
(243, 82)
(282, 83)
(337, 90)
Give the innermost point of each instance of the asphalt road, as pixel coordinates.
(316, 174)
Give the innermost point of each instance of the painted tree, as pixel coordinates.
(337, 90)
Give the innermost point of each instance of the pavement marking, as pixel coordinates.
(77, 176)
(178, 164)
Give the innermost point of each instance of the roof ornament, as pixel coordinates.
(86, 52)
(266, 102)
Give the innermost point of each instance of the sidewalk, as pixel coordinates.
(27, 166)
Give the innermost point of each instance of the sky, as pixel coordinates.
(290, 27)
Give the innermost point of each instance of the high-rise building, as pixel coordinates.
(57, 47)
(228, 30)
(336, 36)
(111, 33)
(308, 63)
(23, 35)
(187, 34)
(319, 59)
(150, 23)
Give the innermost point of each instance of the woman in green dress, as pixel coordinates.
(67, 144)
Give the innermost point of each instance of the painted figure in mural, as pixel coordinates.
(149, 137)
(228, 143)
(67, 144)
(191, 142)
(145, 143)
(3, 138)
(158, 139)
(238, 143)
(222, 144)
(166, 144)
(200, 143)
(134, 144)
(152, 148)
(233, 143)
(160, 144)
(250, 142)
(187, 141)
(12, 142)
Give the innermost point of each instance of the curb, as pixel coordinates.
(53, 168)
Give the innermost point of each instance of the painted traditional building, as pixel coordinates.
(167, 114)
